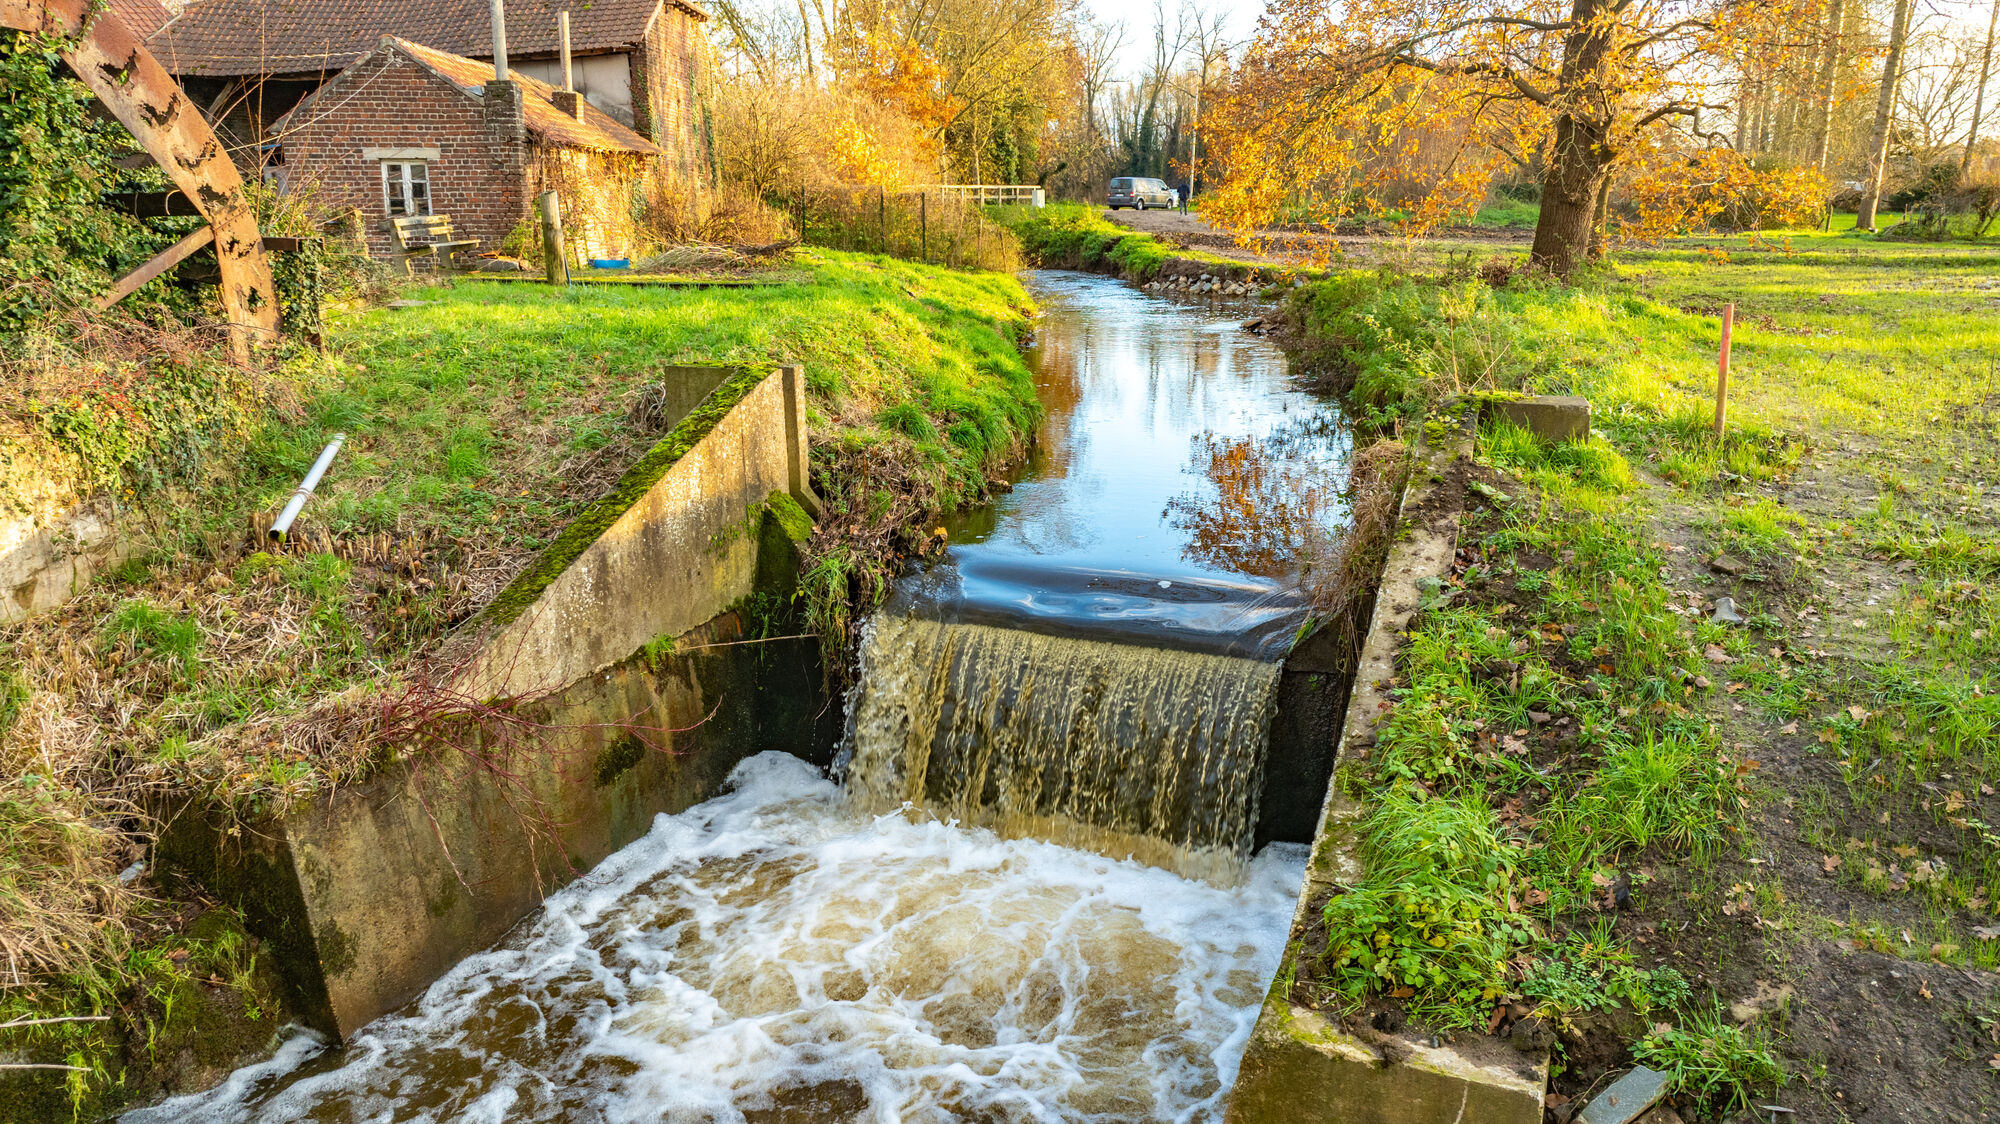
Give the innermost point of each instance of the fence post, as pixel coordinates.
(555, 256)
(924, 225)
(1722, 371)
(882, 214)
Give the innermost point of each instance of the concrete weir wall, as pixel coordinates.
(608, 685)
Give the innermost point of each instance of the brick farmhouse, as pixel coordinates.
(391, 106)
(406, 129)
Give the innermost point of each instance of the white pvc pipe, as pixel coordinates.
(305, 490)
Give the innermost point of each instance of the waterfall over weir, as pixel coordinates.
(1127, 750)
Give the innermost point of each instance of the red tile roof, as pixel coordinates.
(218, 38)
(548, 126)
(144, 17)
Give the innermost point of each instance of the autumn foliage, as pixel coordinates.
(1338, 109)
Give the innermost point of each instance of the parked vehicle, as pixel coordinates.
(1138, 193)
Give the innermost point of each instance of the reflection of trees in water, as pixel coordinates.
(1275, 504)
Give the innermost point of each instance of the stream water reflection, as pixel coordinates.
(1174, 482)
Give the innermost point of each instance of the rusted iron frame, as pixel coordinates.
(140, 93)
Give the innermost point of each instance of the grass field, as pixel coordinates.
(1771, 835)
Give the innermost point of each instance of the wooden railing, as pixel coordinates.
(1031, 194)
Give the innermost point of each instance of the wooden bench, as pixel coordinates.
(427, 236)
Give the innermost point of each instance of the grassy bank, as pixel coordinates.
(479, 421)
(1744, 853)
(1078, 236)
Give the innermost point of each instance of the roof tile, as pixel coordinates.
(222, 38)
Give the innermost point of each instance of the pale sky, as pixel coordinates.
(1138, 18)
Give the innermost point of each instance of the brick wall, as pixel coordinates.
(387, 100)
(670, 86)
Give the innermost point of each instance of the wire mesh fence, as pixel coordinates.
(929, 226)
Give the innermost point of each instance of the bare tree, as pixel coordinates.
(1205, 36)
(1885, 104)
(1823, 89)
(1979, 96)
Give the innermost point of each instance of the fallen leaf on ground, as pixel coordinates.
(1831, 862)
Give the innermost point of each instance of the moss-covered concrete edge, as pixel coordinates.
(645, 472)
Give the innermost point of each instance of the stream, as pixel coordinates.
(1028, 895)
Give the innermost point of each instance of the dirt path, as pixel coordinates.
(1848, 919)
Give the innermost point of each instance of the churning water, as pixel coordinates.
(773, 955)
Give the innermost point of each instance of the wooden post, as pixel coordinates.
(924, 224)
(882, 214)
(161, 262)
(562, 35)
(1722, 371)
(555, 256)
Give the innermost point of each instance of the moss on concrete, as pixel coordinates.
(618, 758)
(637, 481)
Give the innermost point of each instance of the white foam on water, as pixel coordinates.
(775, 955)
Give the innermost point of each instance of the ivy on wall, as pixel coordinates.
(59, 246)
(145, 394)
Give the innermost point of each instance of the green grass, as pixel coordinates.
(1834, 334)
(1508, 214)
(1714, 1062)
(1478, 858)
(1078, 236)
(427, 388)
(1869, 362)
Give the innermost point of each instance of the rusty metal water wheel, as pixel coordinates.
(109, 58)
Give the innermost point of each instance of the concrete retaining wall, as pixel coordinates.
(673, 544)
(623, 690)
(369, 894)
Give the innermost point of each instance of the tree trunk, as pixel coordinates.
(1829, 69)
(1600, 224)
(1578, 160)
(1885, 103)
(1979, 94)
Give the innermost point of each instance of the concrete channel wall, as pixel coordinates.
(1307, 1064)
(610, 684)
(51, 542)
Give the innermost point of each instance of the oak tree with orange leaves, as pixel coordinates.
(1340, 100)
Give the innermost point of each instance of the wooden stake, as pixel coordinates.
(924, 224)
(555, 258)
(1722, 372)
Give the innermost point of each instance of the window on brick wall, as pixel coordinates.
(406, 187)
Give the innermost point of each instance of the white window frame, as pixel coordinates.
(396, 175)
